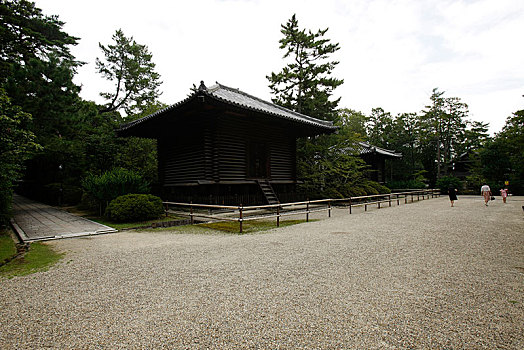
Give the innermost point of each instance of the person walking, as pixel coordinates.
(486, 192)
(452, 193)
(504, 194)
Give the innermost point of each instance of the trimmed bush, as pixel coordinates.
(134, 207)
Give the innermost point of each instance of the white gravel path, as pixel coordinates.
(417, 276)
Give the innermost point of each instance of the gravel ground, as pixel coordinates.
(417, 276)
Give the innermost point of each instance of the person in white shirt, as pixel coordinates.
(486, 192)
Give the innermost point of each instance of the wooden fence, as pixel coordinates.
(256, 212)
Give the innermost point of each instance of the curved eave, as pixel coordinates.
(128, 128)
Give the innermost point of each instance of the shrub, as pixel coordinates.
(114, 183)
(370, 190)
(89, 203)
(379, 187)
(406, 185)
(332, 193)
(448, 181)
(353, 191)
(134, 207)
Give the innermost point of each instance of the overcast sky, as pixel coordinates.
(393, 53)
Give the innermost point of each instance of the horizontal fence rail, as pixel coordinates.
(242, 213)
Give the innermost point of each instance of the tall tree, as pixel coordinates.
(502, 158)
(130, 67)
(442, 127)
(306, 84)
(25, 34)
(380, 127)
(354, 122)
(16, 143)
(36, 66)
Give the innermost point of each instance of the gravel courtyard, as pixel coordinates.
(416, 276)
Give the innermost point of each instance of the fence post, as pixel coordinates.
(278, 216)
(167, 208)
(350, 205)
(405, 198)
(191, 212)
(329, 209)
(389, 199)
(398, 201)
(240, 217)
(307, 211)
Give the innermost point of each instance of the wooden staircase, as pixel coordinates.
(268, 191)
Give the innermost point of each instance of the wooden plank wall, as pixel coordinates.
(214, 148)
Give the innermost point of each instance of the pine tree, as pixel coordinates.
(129, 65)
(305, 84)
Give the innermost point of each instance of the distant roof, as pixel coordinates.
(238, 98)
(366, 148)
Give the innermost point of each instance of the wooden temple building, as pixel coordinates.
(222, 145)
(376, 158)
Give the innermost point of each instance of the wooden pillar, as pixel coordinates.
(307, 211)
(240, 219)
(191, 213)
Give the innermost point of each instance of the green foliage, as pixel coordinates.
(129, 65)
(114, 183)
(502, 158)
(406, 185)
(381, 189)
(305, 84)
(134, 207)
(16, 143)
(446, 182)
(27, 34)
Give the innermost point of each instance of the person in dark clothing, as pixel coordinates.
(452, 192)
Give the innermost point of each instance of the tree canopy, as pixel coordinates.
(306, 83)
(130, 67)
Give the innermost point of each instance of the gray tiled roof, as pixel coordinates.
(241, 99)
(365, 148)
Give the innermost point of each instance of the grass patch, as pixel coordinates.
(7, 245)
(249, 226)
(128, 225)
(40, 257)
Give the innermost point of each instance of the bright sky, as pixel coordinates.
(393, 53)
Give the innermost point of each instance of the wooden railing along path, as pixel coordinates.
(255, 212)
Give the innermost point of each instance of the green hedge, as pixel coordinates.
(134, 207)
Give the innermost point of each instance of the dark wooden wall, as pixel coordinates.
(213, 147)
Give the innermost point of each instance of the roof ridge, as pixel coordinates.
(237, 90)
